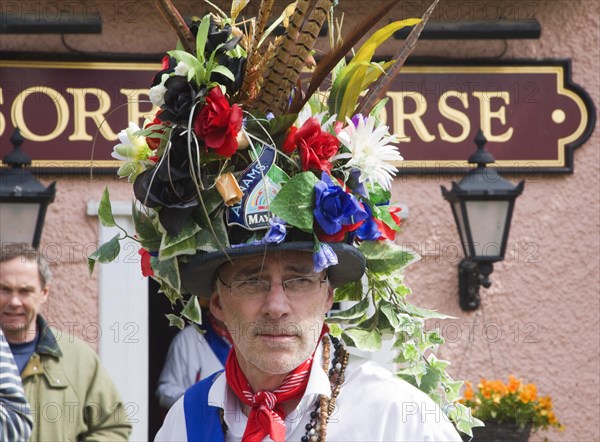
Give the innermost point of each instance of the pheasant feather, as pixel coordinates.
(278, 64)
(306, 40)
(326, 65)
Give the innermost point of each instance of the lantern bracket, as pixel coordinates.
(471, 276)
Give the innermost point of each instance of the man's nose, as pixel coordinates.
(276, 303)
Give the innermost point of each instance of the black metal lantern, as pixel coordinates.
(482, 204)
(23, 199)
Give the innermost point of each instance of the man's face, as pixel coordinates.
(272, 334)
(21, 296)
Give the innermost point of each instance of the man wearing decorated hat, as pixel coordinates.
(268, 195)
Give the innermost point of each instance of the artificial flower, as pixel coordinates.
(145, 262)
(316, 147)
(134, 150)
(335, 209)
(178, 100)
(388, 232)
(170, 186)
(369, 230)
(157, 94)
(324, 257)
(277, 231)
(218, 123)
(369, 150)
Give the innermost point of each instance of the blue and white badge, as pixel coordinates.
(260, 182)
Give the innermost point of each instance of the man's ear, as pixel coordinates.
(215, 306)
(45, 293)
(329, 298)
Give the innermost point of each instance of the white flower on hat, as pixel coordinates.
(182, 69)
(370, 149)
(157, 94)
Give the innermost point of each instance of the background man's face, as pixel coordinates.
(21, 296)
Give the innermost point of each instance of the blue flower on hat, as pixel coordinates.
(334, 207)
(324, 257)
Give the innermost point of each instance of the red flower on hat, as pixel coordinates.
(315, 146)
(218, 123)
(146, 266)
(152, 142)
(388, 232)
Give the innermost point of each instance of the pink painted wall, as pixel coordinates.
(539, 319)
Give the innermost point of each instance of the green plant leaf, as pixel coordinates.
(366, 340)
(201, 37)
(357, 311)
(146, 231)
(184, 243)
(176, 321)
(168, 271)
(107, 252)
(353, 291)
(385, 257)
(192, 309)
(105, 210)
(223, 71)
(295, 201)
(390, 313)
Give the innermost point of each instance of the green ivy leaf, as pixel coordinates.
(172, 295)
(107, 252)
(184, 243)
(357, 311)
(146, 230)
(385, 257)
(176, 321)
(295, 201)
(192, 309)
(362, 339)
(105, 210)
(424, 313)
(390, 313)
(168, 271)
(353, 291)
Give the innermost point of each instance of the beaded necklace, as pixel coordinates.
(316, 429)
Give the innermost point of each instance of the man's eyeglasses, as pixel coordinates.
(259, 288)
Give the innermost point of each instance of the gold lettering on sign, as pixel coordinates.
(400, 117)
(454, 115)
(486, 114)
(81, 114)
(134, 113)
(62, 112)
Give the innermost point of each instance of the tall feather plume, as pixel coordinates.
(254, 64)
(326, 65)
(278, 64)
(306, 41)
(178, 24)
(382, 84)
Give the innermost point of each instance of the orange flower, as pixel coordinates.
(468, 395)
(513, 384)
(528, 393)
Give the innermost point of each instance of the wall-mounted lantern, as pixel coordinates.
(482, 204)
(23, 199)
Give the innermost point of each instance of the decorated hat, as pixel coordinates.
(257, 148)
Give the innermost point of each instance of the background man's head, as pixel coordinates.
(24, 287)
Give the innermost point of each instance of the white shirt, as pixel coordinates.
(189, 360)
(373, 405)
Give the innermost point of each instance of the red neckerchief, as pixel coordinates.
(266, 414)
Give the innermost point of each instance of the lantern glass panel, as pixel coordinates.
(18, 221)
(461, 227)
(487, 220)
